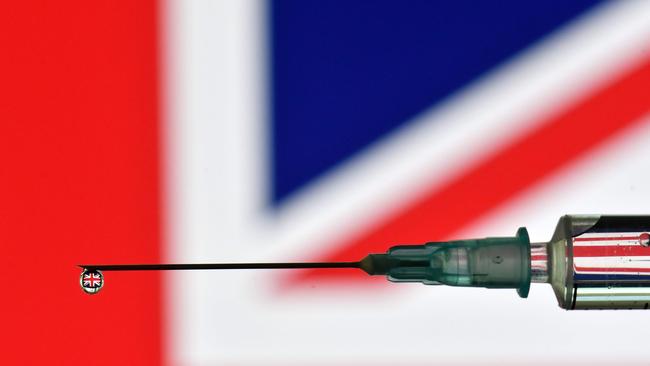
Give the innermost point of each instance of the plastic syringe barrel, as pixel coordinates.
(490, 262)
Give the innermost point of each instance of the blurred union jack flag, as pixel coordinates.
(376, 125)
(198, 131)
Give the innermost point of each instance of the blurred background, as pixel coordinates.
(214, 131)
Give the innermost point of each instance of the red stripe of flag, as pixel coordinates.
(608, 238)
(611, 251)
(79, 180)
(611, 269)
(501, 177)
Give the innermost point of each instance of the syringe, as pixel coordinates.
(592, 262)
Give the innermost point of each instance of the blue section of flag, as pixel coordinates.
(345, 73)
(643, 279)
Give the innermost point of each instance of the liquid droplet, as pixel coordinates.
(91, 281)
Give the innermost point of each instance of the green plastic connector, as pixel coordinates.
(489, 263)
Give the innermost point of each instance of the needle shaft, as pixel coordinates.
(200, 266)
